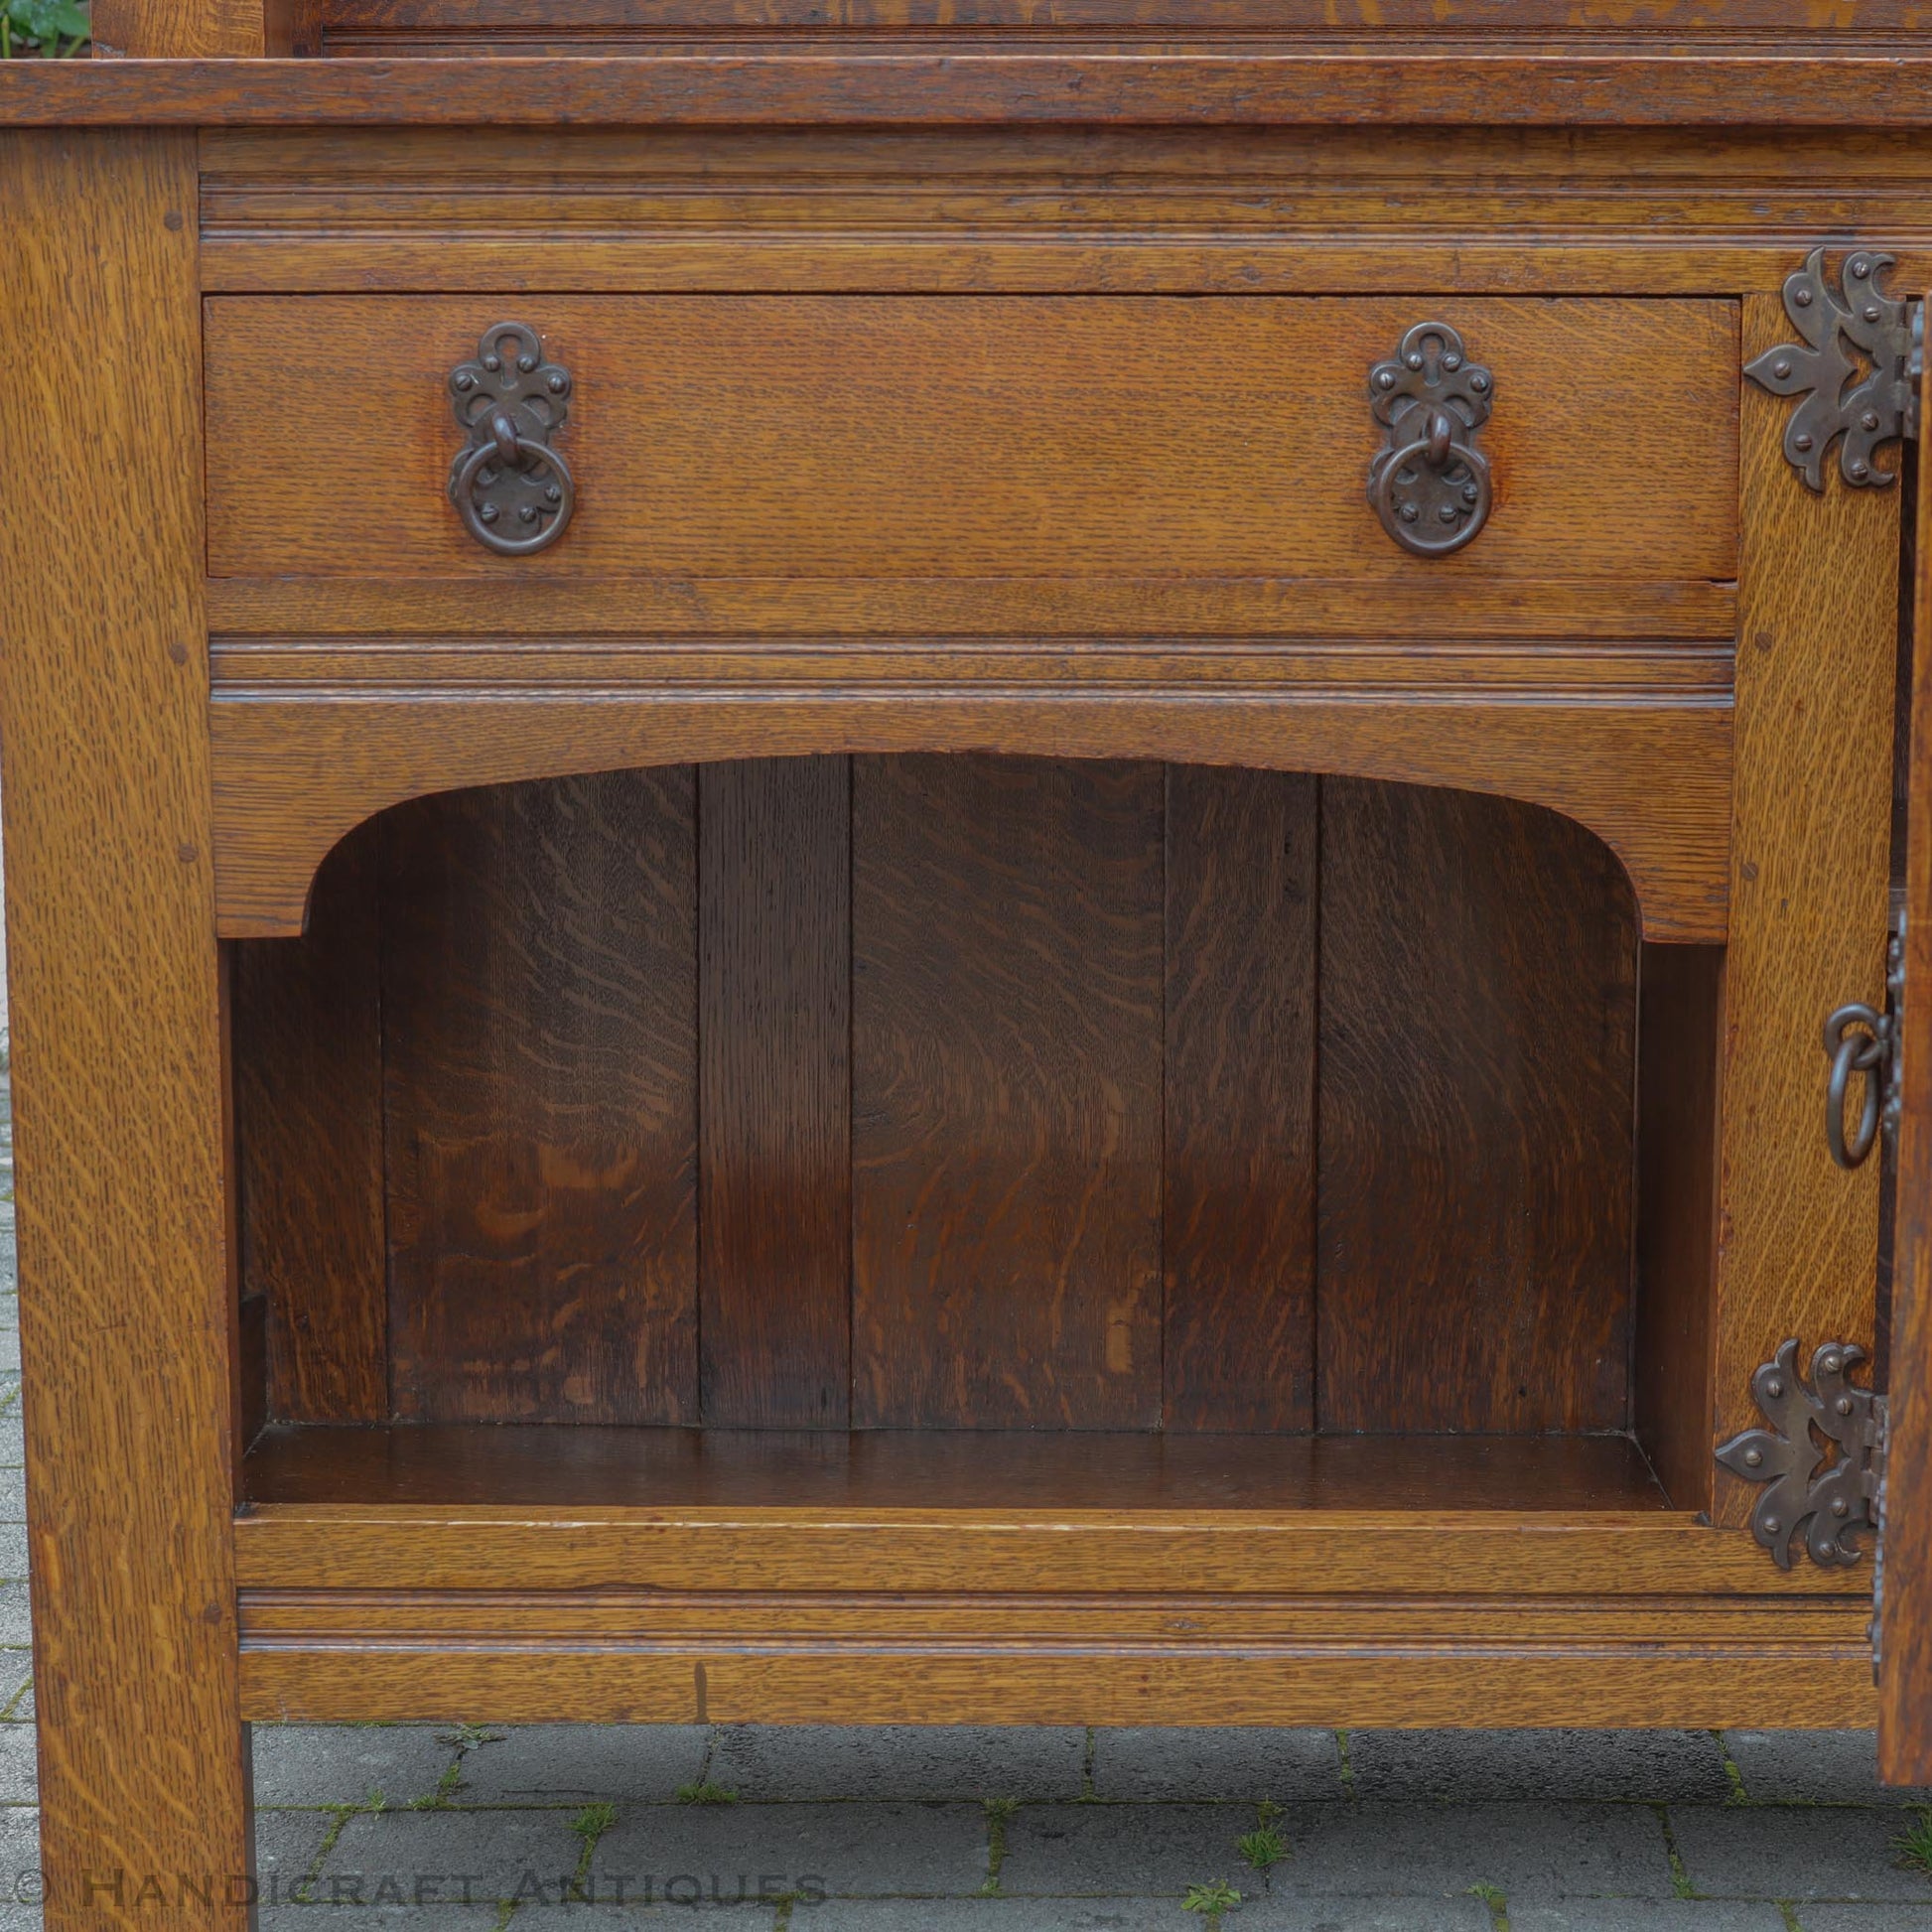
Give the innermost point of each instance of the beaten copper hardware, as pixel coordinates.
(1859, 1038)
(511, 489)
(1828, 1511)
(1855, 331)
(1430, 484)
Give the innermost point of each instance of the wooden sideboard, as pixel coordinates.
(963, 864)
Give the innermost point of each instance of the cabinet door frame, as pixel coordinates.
(1902, 1623)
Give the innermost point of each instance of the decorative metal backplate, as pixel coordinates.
(1828, 1510)
(1859, 332)
(511, 489)
(1430, 484)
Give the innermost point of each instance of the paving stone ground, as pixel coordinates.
(568, 1828)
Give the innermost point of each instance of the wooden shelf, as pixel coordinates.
(467, 1465)
(586, 1574)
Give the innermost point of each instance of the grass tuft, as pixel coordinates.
(1680, 1879)
(1262, 1848)
(589, 1824)
(706, 1793)
(1211, 1901)
(998, 1811)
(1914, 1846)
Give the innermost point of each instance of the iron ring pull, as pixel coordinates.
(1467, 506)
(505, 452)
(1430, 484)
(1856, 1040)
(509, 487)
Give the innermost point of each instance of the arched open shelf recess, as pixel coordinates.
(962, 1092)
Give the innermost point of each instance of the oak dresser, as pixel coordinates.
(1004, 861)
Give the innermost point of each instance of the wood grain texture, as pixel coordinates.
(1905, 1623)
(540, 1010)
(1305, 1553)
(1238, 1203)
(307, 1085)
(1189, 210)
(1817, 627)
(1005, 1093)
(1805, 82)
(1476, 1099)
(292, 775)
(1693, 1682)
(829, 436)
(775, 1148)
(411, 629)
(1679, 1034)
(1321, 20)
(193, 29)
(127, 1316)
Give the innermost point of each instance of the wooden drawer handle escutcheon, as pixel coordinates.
(1430, 484)
(511, 489)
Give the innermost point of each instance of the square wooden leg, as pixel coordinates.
(126, 1306)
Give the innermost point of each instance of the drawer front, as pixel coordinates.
(867, 437)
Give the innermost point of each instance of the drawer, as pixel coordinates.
(869, 436)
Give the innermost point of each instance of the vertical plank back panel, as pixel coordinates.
(540, 1007)
(307, 1089)
(1476, 1095)
(1238, 1227)
(774, 1033)
(1007, 1016)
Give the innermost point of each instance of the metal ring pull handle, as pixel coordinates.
(512, 491)
(519, 474)
(1430, 484)
(1858, 1040)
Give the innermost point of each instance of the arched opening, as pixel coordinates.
(965, 1094)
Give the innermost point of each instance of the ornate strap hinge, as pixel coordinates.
(1857, 370)
(1824, 1503)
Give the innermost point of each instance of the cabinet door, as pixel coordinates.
(1905, 1611)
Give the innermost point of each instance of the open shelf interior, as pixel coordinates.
(890, 1129)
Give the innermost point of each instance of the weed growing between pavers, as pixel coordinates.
(1499, 1903)
(1348, 1770)
(463, 1741)
(998, 1811)
(1262, 1848)
(1211, 1901)
(1914, 1846)
(589, 1824)
(1680, 1879)
(702, 1790)
(372, 1806)
(1733, 1775)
